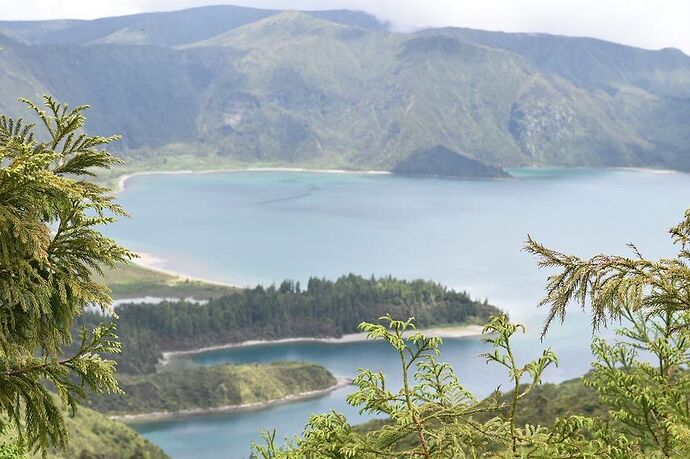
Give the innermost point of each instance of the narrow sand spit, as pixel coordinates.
(151, 262)
(122, 180)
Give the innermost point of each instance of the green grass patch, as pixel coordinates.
(133, 281)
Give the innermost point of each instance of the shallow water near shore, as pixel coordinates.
(268, 226)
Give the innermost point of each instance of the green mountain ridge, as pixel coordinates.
(589, 62)
(337, 89)
(171, 28)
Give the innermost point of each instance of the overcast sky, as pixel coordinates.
(645, 23)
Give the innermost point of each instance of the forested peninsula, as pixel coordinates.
(323, 309)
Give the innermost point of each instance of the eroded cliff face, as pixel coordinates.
(537, 124)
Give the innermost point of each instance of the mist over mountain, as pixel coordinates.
(338, 89)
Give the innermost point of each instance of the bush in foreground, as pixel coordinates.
(50, 244)
(641, 378)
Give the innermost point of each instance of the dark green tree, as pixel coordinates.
(50, 247)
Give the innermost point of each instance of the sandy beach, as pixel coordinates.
(122, 180)
(152, 262)
(459, 331)
(157, 415)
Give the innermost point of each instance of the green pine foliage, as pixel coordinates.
(638, 392)
(541, 406)
(50, 244)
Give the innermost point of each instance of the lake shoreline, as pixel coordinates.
(148, 261)
(649, 170)
(122, 179)
(459, 331)
(255, 406)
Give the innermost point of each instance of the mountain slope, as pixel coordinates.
(335, 89)
(591, 63)
(167, 29)
(392, 94)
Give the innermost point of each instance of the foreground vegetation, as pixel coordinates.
(324, 309)
(95, 436)
(205, 388)
(542, 405)
(640, 381)
(50, 215)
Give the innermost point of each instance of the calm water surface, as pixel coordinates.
(263, 227)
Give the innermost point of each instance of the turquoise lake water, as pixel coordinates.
(263, 227)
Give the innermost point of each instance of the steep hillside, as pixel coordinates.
(644, 89)
(129, 87)
(369, 99)
(230, 85)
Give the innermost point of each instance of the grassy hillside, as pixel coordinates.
(591, 63)
(550, 401)
(95, 436)
(334, 89)
(203, 388)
